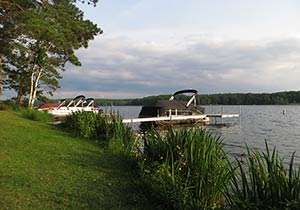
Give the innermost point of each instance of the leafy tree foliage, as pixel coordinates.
(46, 40)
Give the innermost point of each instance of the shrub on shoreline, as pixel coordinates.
(190, 169)
(82, 124)
(107, 130)
(9, 105)
(36, 115)
(264, 182)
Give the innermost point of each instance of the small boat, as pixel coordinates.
(77, 104)
(172, 107)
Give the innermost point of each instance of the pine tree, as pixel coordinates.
(47, 39)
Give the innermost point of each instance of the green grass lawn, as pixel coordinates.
(42, 167)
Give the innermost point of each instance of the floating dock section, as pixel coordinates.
(180, 118)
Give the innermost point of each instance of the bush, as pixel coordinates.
(82, 124)
(264, 182)
(191, 170)
(37, 115)
(8, 105)
(111, 131)
(189, 167)
(108, 130)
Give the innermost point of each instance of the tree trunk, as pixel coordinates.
(31, 89)
(1, 85)
(34, 87)
(20, 99)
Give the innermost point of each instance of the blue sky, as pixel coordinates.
(152, 47)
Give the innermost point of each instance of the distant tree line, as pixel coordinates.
(279, 98)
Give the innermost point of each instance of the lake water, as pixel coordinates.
(278, 125)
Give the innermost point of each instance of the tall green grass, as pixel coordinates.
(30, 114)
(10, 105)
(36, 115)
(107, 130)
(189, 167)
(111, 131)
(82, 124)
(264, 182)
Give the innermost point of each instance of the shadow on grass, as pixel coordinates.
(115, 183)
(107, 180)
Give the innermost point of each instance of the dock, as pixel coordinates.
(180, 117)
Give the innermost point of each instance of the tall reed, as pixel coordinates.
(36, 115)
(111, 131)
(264, 182)
(191, 170)
(107, 130)
(81, 124)
(189, 166)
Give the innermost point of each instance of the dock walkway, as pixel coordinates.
(180, 117)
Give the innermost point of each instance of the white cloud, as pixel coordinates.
(122, 67)
(213, 46)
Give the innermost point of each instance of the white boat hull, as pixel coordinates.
(63, 111)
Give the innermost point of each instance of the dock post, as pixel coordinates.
(170, 115)
(240, 115)
(111, 108)
(221, 114)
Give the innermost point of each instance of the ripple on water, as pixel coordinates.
(257, 123)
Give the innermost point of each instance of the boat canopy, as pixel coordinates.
(193, 98)
(76, 101)
(79, 97)
(185, 91)
(89, 102)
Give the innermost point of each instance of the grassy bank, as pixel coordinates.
(189, 168)
(44, 168)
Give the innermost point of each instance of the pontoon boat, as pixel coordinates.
(79, 103)
(172, 107)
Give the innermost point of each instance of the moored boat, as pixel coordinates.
(63, 109)
(173, 107)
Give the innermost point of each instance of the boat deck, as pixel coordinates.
(180, 117)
